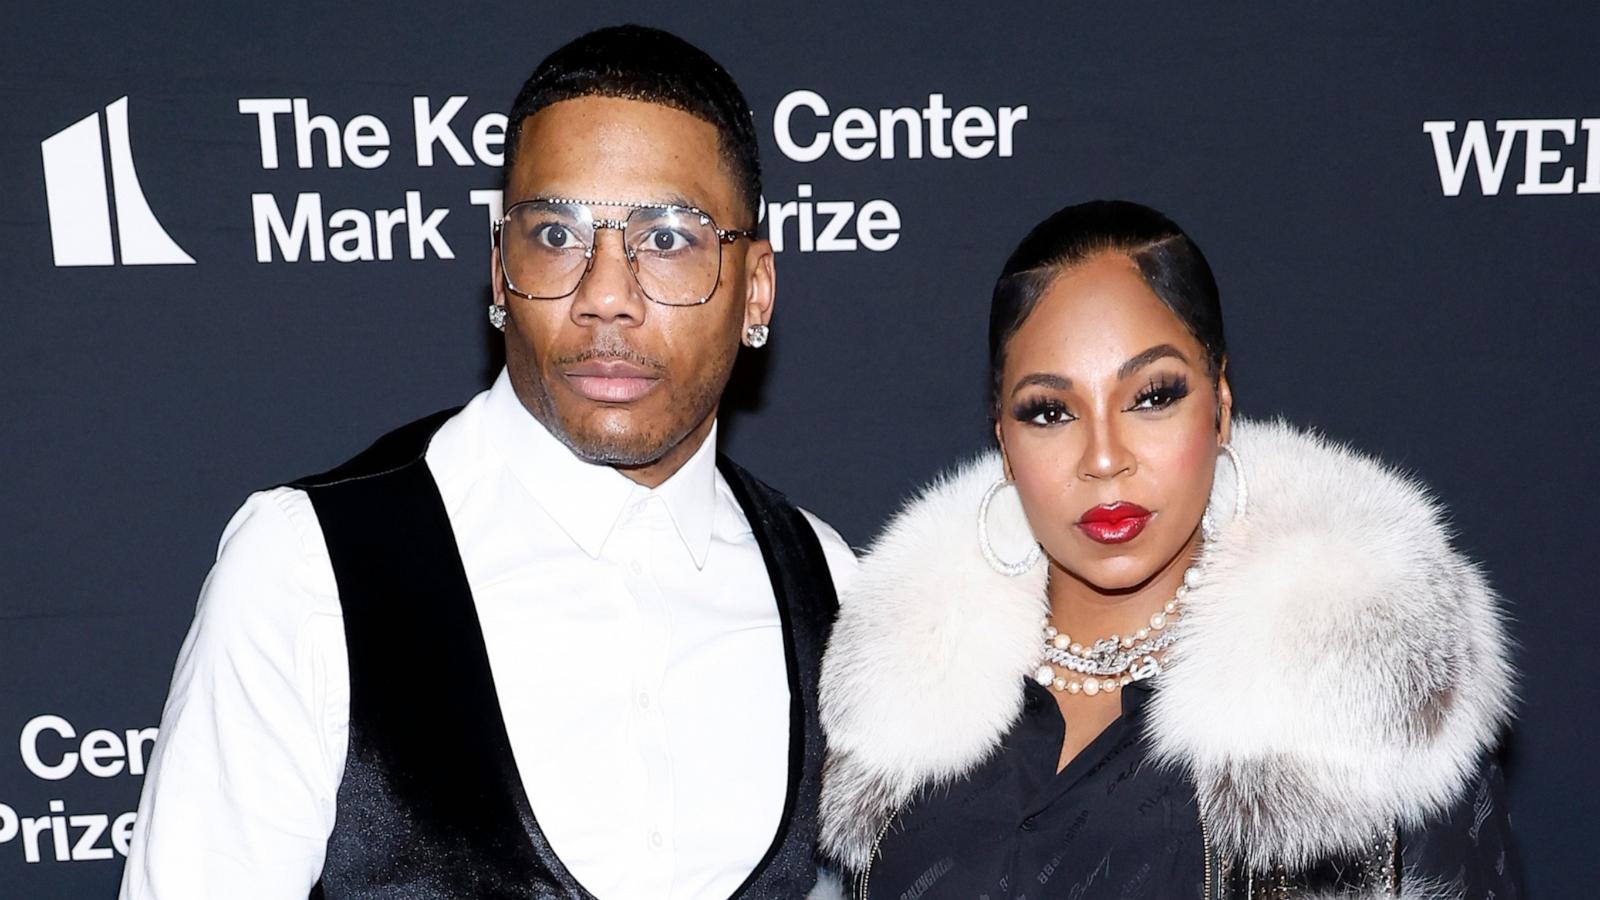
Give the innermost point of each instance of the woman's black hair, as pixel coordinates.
(633, 62)
(1170, 262)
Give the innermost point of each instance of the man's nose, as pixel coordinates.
(609, 292)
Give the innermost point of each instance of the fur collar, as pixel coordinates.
(1382, 679)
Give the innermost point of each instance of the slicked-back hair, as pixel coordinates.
(1168, 260)
(633, 62)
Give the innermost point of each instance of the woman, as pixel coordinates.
(1147, 649)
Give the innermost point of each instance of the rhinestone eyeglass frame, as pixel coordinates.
(724, 236)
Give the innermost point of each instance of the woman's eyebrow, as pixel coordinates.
(1140, 360)
(1044, 379)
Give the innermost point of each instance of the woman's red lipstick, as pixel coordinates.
(1114, 523)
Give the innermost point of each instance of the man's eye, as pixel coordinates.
(665, 240)
(558, 237)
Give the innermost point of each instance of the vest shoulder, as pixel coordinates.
(731, 470)
(401, 447)
(748, 487)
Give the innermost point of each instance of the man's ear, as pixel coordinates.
(761, 284)
(497, 283)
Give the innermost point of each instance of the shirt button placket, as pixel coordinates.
(632, 539)
(656, 540)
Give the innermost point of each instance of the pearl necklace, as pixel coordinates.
(1112, 662)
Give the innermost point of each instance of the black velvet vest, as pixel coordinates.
(431, 805)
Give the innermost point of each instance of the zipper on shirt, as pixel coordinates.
(1205, 841)
(866, 873)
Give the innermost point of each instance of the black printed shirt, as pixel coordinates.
(1113, 825)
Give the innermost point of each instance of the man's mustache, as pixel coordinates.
(611, 346)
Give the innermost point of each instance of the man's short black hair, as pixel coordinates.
(633, 62)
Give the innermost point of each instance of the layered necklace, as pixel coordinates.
(1113, 662)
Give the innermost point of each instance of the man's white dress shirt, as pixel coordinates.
(635, 645)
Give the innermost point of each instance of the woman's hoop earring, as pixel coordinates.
(1241, 495)
(1011, 569)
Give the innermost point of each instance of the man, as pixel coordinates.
(549, 645)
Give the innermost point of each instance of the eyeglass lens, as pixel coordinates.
(674, 253)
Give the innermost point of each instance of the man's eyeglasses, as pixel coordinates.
(546, 247)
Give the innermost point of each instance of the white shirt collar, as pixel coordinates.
(587, 500)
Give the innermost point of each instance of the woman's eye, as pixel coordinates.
(1161, 396)
(1043, 414)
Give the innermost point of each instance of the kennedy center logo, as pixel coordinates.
(81, 207)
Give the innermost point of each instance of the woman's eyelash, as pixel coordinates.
(1041, 411)
(1159, 394)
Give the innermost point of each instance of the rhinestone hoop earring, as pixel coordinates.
(1011, 569)
(1241, 496)
(757, 335)
(497, 316)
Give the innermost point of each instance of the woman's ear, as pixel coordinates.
(1224, 403)
(1000, 438)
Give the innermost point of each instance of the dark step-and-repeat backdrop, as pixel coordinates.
(236, 244)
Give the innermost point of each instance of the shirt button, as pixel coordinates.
(644, 700)
(656, 840)
(1030, 823)
(635, 568)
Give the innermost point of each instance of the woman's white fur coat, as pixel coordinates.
(1342, 668)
